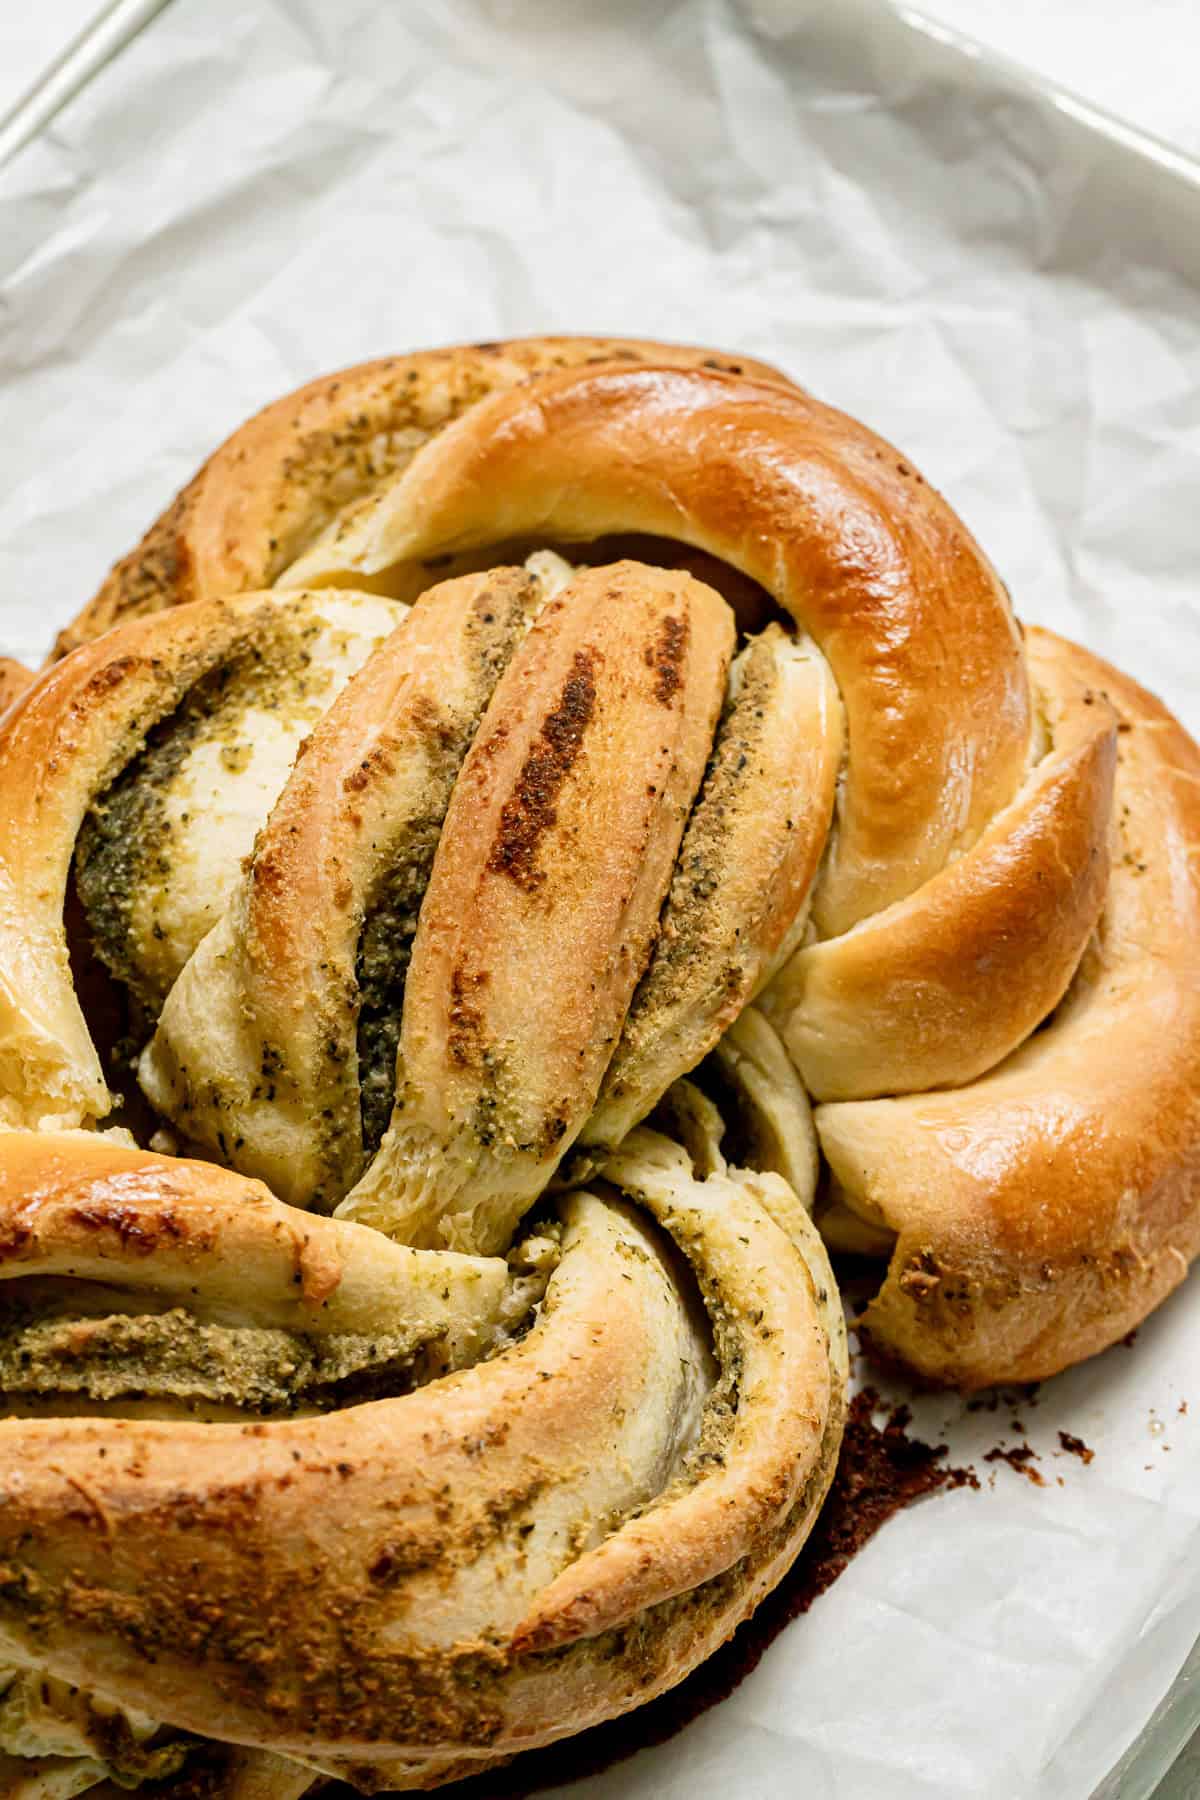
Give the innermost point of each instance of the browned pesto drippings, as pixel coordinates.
(881, 1470)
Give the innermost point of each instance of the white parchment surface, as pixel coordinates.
(254, 193)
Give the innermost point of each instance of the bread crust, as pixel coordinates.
(14, 679)
(939, 988)
(273, 987)
(76, 728)
(61, 746)
(544, 899)
(424, 1618)
(743, 876)
(1044, 1209)
(841, 531)
(280, 478)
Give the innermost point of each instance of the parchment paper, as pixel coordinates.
(256, 193)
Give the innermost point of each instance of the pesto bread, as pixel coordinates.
(271, 1480)
(468, 941)
(539, 843)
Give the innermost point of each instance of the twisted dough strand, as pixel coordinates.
(430, 1525)
(543, 899)
(259, 1039)
(78, 730)
(843, 534)
(1042, 1210)
(265, 494)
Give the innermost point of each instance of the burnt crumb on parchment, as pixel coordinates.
(1075, 1446)
(881, 1470)
(1020, 1458)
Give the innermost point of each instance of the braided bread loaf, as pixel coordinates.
(492, 751)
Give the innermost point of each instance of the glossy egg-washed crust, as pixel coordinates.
(1042, 1210)
(954, 865)
(263, 497)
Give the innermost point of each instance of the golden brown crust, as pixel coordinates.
(1044, 1209)
(940, 987)
(429, 1526)
(708, 1526)
(544, 898)
(849, 540)
(71, 735)
(268, 491)
(77, 727)
(742, 879)
(77, 1205)
(257, 1041)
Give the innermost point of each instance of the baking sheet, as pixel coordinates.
(250, 195)
(48, 55)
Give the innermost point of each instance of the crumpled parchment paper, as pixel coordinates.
(254, 194)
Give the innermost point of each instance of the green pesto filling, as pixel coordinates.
(381, 969)
(41, 1716)
(173, 1356)
(704, 851)
(126, 846)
